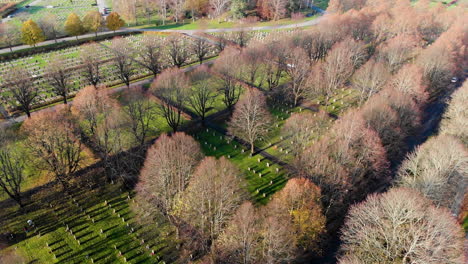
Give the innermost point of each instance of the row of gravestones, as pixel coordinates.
(251, 170)
(83, 211)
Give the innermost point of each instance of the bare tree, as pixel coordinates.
(301, 128)
(178, 49)
(162, 6)
(91, 63)
(252, 59)
(410, 81)
(438, 169)
(109, 137)
(123, 59)
(19, 82)
(151, 54)
(221, 41)
(201, 48)
(277, 8)
(401, 226)
(58, 77)
(340, 63)
(53, 140)
(346, 164)
(251, 119)
(88, 105)
(170, 163)
(11, 173)
(278, 242)
(228, 85)
(315, 42)
(241, 36)
(398, 50)
(140, 113)
(275, 65)
(11, 35)
(178, 9)
(369, 79)
(240, 240)
(212, 196)
(219, 6)
(298, 69)
(50, 26)
(171, 87)
(202, 93)
(437, 64)
(409, 114)
(455, 117)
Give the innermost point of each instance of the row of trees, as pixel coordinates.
(152, 55)
(343, 44)
(176, 10)
(204, 199)
(410, 222)
(32, 33)
(416, 216)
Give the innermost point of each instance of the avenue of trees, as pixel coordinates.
(26, 90)
(33, 32)
(205, 200)
(353, 174)
(391, 74)
(144, 11)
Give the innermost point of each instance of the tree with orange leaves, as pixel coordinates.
(54, 140)
(300, 201)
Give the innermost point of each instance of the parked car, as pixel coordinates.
(454, 79)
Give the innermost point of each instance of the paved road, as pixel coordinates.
(91, 35)
(101, 5)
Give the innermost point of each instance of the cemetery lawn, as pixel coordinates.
(57, 245)
(61, 9)
(215, 144)
(214, 24)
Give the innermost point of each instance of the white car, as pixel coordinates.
(454, 80)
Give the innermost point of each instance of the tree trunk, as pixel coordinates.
(18, 201)
(65, 100)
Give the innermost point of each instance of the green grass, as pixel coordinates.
(63, 248)
(188, 24)
(215, 144)
(465, 223)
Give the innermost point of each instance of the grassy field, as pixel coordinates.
(188, 24)
(58, 8)
(263, 178)
(81, 227)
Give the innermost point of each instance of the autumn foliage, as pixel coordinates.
(413, 228)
